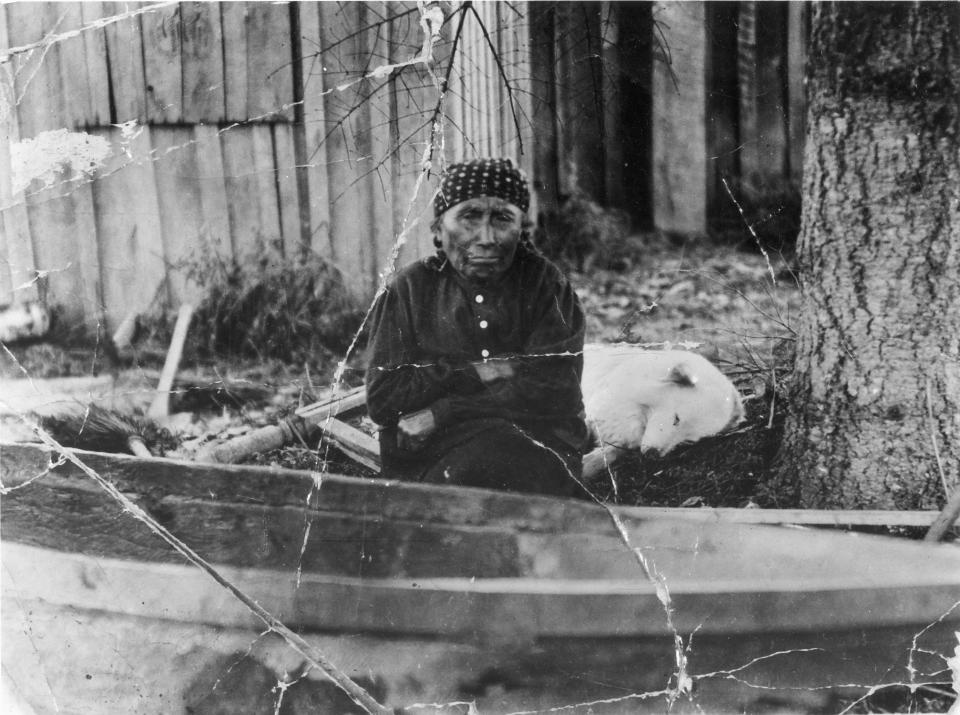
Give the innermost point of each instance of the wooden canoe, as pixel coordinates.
(430, 595)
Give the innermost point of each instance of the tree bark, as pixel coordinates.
(874, 417)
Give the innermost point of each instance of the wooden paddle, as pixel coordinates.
(320, 415)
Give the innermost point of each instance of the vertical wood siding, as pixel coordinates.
(220, 147)
(233, 124)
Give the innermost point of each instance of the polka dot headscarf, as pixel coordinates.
(482, 177)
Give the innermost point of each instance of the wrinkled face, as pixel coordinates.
(480, 236)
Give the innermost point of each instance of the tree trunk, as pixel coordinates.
(874, 416)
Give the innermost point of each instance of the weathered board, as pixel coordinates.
(162, 66)
(212, 190)
(125, 52)
(679, 121)
(181, 209)
(313, 154)
(131, 239)
(269, 73)
(201, 61)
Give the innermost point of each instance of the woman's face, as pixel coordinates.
(480, 236)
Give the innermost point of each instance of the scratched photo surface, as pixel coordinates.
(479, 357)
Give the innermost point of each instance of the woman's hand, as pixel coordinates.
(414, 429)
(493, 370)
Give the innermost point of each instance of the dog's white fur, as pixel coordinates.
(652, 400)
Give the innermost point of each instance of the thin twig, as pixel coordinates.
(933, 440)
(438, 109)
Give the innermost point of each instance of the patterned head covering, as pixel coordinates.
(482, 177)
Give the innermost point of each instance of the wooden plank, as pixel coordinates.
(416, 502)
(234, 26)
(544, 172)
(181, 209)
(40, 101)
(344, 57)
(800, 517)
(360, 446)
(17, 267)
(612, 131)
(314, 130)
(162, 65)
(242, 187)
(679, 122)
(286, 487)
(338, 405)
(201, 59)
(73, 69)
(376, 125)
(60, 217)
(125, 53)
(6, 282)
(750, 158)
(129, 227)
(796, 63)
(212, 190)
(98, 78)
(265, 174)
(288, 195)
(772, 91)
(269, 61)
(412, 100)
(65, 247)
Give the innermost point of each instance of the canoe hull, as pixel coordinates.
(433, 595)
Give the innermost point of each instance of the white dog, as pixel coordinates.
(652, 400)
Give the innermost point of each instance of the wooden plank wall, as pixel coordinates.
(229, 125)
(234, 124)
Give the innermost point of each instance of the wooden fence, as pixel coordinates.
(233, 124)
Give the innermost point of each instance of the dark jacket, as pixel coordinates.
(430, 323)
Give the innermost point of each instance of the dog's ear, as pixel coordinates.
(680, 375)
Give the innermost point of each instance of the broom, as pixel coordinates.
(101, 430)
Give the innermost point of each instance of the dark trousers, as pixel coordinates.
(493, 454)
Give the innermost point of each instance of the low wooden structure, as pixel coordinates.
(434, 594)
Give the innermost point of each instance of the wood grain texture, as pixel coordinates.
(162, 65)
(265, 175)
(345, 58)
(288, 195)
(269, 71)
(234, 20)
(133, 266)
(315, 128)
(75, 80)
(125, 52)
(98, 78)
(16, 249)
(212, 190)
(201, 58)
(37, 73)
(242, 190)
(180, 204)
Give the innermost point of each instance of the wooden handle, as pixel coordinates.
(946, 518)
(261, 440)
(160, 407)
(137, 446)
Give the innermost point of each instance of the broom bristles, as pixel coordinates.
(98, 429)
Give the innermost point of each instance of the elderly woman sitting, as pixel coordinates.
(476, 353)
